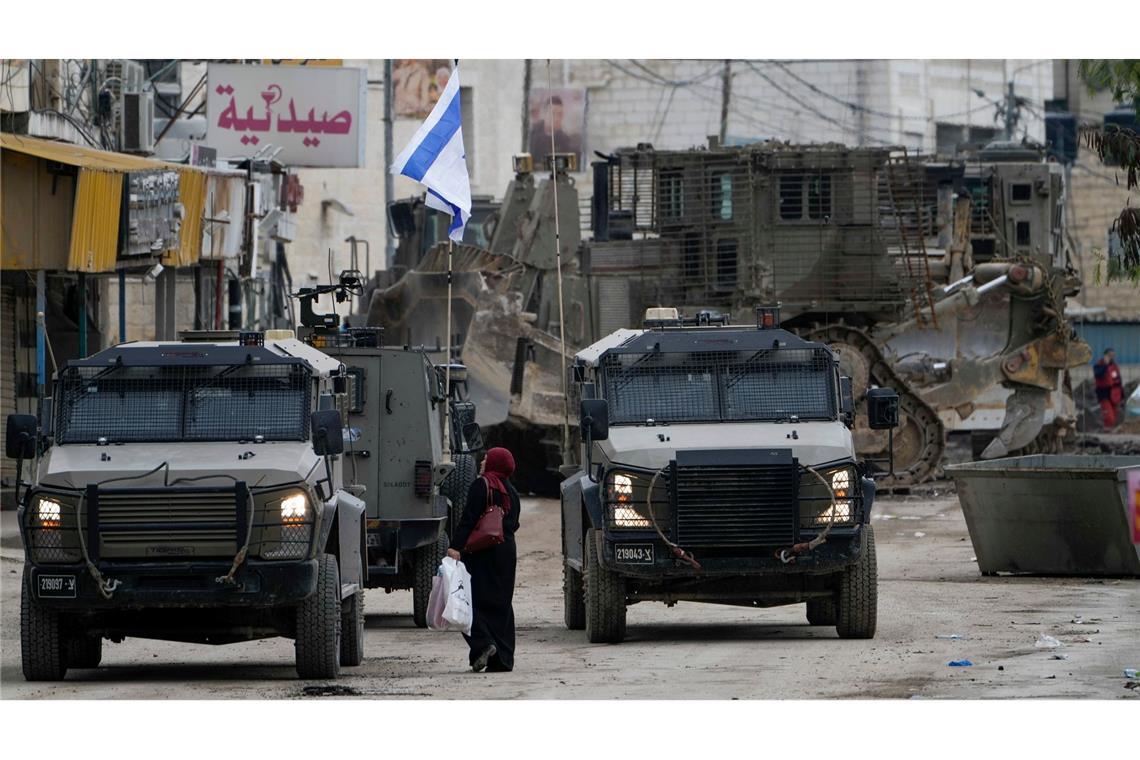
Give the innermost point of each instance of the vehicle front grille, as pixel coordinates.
(173, 524)
(740, 500)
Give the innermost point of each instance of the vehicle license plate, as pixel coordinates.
(57, 586)
(634, 554)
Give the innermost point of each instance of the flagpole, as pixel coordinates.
(558, 262)
(447, 367)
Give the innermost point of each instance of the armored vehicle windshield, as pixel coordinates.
(769, 385)
(124, 403)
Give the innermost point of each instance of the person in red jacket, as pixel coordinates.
(1109, 388)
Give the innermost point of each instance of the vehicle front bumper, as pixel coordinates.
(841, 550)
(166, 585)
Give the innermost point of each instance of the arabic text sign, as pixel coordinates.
(315, 114)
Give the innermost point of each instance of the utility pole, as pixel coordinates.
(725, 94)
(1010, 111)
(526, 107)
(390, 247)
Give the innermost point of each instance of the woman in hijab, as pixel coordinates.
(492, 638)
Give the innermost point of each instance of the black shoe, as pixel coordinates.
(484, 656)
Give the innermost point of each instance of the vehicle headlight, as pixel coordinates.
(294, 509)
(51, 535)
(816, 508)
(287, 529)
(49, 514)
(625, 496)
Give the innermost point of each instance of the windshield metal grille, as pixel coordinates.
(126, 404)
(772, 384)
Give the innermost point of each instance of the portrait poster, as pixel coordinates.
(417, 84)
(561, 111)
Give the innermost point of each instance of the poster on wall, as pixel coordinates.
(315, 115)
(417, 84)
(561, 112)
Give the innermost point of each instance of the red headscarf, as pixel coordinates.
(497, 468)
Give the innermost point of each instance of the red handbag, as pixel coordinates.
(488, 531)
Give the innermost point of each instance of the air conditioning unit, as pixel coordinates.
(124, 76)
(136, 122)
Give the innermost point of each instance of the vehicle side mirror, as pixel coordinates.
(340, 384)
(846, 401)
(20, 437)
(595, 419)
(882, 409)
(473, 434)
(328, 433)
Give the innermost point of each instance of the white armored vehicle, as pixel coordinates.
(719, 467)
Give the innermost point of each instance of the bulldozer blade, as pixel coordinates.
(1024, 417)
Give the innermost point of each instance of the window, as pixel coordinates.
(819, 196)
(714, 386)
(672, 201)
(726, 263)
(691, 257)
(948, 137)
(795, 188)
(1023, 233)
(1021, 192)
(722, 196)
(467, 106)
(183, 403)
(791, 196)
(982, 135)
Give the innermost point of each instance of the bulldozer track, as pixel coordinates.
(927, 464)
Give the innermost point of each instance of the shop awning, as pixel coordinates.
(93, 244)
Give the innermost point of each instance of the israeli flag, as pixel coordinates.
(435, 157)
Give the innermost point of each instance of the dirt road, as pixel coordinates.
(929, 586)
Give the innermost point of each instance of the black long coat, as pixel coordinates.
(492, 579)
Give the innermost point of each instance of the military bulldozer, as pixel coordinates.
(942, 280)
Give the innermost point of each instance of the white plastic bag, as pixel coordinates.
(436, 603)
(453, 582)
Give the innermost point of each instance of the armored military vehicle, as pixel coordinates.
(190, 491)
(504, 310)
(719, 466)
(944, 280)
(397, 408)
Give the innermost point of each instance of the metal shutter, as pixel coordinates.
(7, 372)
(613, 304)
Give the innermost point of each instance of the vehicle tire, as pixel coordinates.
(455, 487)
(426, 565)
(573, 599)
(352, 630)
(604, 598)
(318, 625)
(858, 593)
(822, 612)
(42, 653)
(84, 651)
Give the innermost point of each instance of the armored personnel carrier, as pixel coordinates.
(410, 444)
(719, 466)
(190, 491)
